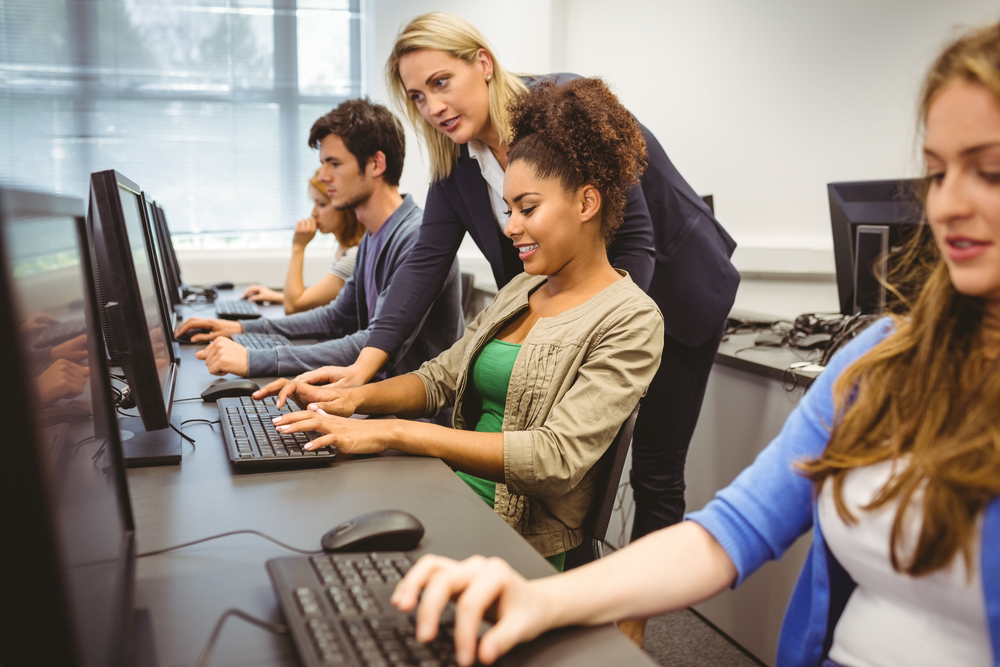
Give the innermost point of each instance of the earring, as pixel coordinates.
(489, 76)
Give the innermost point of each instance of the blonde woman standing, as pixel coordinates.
(455, 92)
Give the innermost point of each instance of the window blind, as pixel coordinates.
(206, 104)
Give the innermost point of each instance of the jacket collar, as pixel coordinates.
(470, 183)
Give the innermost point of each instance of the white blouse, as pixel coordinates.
(893, 618)
(493, 175)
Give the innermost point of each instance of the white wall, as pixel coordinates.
(759, 103)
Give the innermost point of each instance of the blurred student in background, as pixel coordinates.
(325, 219)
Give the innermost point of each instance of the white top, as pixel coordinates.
(493, 175)
(892, 618)
(343, 266)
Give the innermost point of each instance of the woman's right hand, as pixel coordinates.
(305, 231)
(260, 294)
(482, 586)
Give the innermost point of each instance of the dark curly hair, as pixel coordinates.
(581, 134)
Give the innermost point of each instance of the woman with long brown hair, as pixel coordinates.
(892, 459)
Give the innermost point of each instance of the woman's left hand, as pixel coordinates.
(352, 436)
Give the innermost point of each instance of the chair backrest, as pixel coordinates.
(610, 465)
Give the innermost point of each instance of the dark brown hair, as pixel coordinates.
(579, 133)
(929, 393)
(365, 128)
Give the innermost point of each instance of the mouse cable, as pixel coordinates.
(232, 532)
(206, 653)
(193, 398)
(204, 421)
(181, 433)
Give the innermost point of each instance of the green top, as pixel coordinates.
(491, 371)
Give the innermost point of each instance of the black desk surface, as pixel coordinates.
(187, 590)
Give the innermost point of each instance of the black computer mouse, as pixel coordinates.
(387, 530)
(186, 336)
(225, 284)
(229, 389)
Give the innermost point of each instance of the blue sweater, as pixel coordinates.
(345, 320)
(769, 505)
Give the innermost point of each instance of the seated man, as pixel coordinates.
(361, 148)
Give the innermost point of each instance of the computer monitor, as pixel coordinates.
(138, 338)
(171, 268)
(68, 552)
(155, 253)
(870, 220)
(169, 254)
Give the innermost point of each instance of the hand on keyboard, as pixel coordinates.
(352, 436)
(481, 585)
(216, 328)
(305, 390)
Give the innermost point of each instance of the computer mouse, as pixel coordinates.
(387, 530)
(229, 389)
(225, 284)
(186, 336)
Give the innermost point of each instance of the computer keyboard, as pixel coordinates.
(236, 309)
(253, 442)
(60, 332)
(260, 341)
(337, 607)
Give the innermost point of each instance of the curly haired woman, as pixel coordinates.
(892, 459)
(545, 376)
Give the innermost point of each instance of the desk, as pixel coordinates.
(186, 591)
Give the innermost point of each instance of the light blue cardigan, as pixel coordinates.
(766, 508)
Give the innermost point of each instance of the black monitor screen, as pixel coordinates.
(871, 221)
(75, 479)
(145, 275)
(167, 306)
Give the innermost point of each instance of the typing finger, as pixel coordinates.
(270, 389)
(439, 589)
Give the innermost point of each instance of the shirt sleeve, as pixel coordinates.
(769, 505)
(551, 460)
(337, 320)
(632, 248)
(343, 267)
(420, 278)
(440, 375)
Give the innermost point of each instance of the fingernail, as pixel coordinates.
(276, 420)
(313, 407)
(284, 429)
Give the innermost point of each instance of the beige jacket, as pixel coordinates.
(576, 378)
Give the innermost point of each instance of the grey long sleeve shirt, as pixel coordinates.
(345, 320)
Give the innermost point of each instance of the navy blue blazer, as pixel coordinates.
(670, 244)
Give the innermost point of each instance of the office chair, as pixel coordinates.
(610, 465)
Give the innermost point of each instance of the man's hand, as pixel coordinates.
(63, 379)
(224, 356)
(216, 328)
(75, 349)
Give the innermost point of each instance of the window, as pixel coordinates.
(206, 104)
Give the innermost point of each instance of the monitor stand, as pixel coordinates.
(142, 652)
(149, 448)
